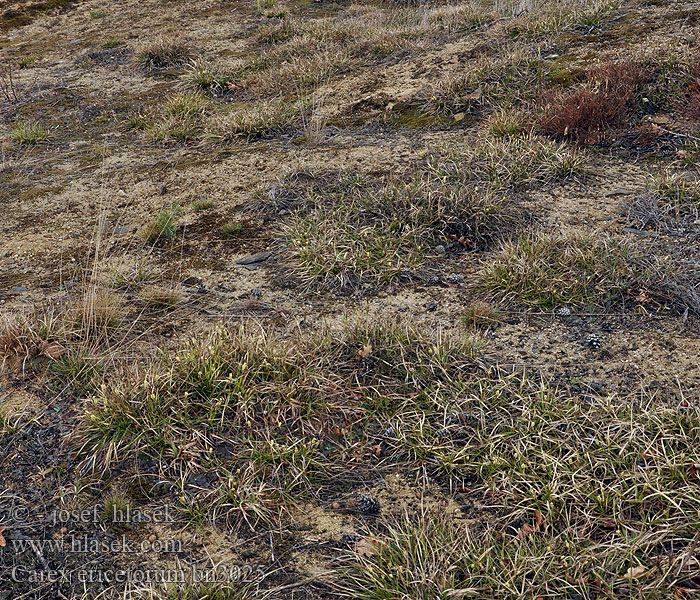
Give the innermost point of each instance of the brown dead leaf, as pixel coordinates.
(528, 529)
(539, 519)
(642, 296)
(366, 547)
(525, 530)
(365, 351)
(52, 350)
(3, 543)
(635, 572)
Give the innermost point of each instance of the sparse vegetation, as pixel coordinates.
(164, 53)
(231, 228)
(552, 270)
(163, 227)
(388, 300)
(601, 102)
(30, 134)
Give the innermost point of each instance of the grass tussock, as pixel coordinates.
(265, 411)
(546, 271)
(233, 382)
(30, 133)
(299, 53)
(97, 314)
(348, 236)
(508, 162)
(181, 119)
(577, 490)
(670, 202)
(547, 19)
(163, 227)
(163, 54)
(202, 76)
(257, 120)
(355, 236)
(515, 77)
(331, 249)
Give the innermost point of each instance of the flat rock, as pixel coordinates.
(254, 258)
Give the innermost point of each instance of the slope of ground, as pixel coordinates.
(349, 299)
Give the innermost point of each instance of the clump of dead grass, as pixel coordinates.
(483, 314)
(551, 270)
(354, 237)
(160, 296)
(182, 118)
(258, 120)
(670, 202)
(164, 53)
(507, 162)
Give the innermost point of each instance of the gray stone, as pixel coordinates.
(255, 258)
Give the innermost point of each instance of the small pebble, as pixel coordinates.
(440, 249)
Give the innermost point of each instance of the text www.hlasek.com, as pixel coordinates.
(83, 544)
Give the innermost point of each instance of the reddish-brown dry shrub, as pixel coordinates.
(602, 101)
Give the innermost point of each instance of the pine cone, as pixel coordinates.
(367, 505)
(593, 341)
(349, 538)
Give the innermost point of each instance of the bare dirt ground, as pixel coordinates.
(449, 207)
